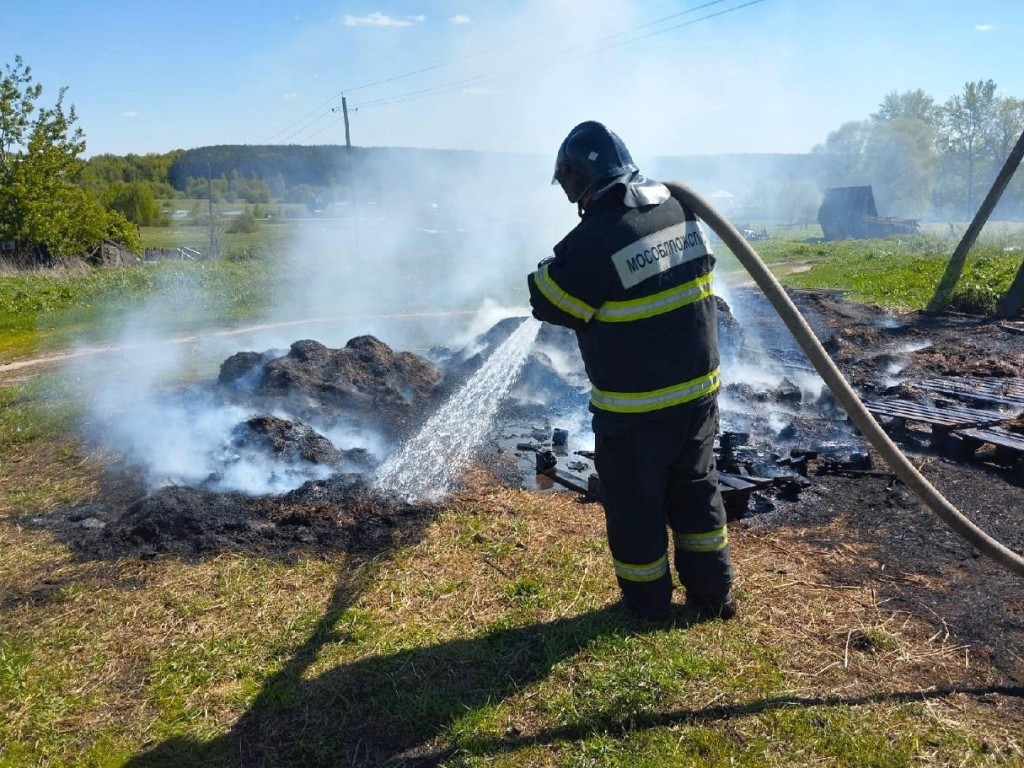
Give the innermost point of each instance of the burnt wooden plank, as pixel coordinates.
(742, 482)
(995, 436)
(735, 489)
(1002, 391)
(950, 417)
(570, 481)
(735, 482)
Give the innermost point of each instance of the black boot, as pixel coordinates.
(711, 609)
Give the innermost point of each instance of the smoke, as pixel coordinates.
(422, 270)
(423, 249)
(900, 359)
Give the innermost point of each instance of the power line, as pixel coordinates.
(306, 125)
(584, 50)
(317, 133)
(386, 80)
(491, 77)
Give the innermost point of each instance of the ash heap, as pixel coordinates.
(280, 452)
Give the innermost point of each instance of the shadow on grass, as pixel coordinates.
(618, 725)
(389, 709)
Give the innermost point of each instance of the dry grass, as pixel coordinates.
(493, 632)
(39, 478)
(65, 268)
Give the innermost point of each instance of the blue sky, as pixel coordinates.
(774, 76)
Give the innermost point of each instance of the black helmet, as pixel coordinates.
(590, 153)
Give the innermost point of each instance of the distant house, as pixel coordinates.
(111, 254)
(849, 213)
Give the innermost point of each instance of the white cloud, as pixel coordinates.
(984, 27)
(291, 95)
(378, 19)
(131, 113)
(460, 18)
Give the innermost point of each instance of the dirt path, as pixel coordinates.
(9, 371)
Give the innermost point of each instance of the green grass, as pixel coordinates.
(908, 279)
(488, 643)
(270, 237)
(47, 310)
(899, 273)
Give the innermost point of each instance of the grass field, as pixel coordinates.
(492, 640)
(902, 273)
(43, 311)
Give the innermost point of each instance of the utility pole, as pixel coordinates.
(1013, 300)
(344, 114)
(348, 166)
(209, 196)
(1011, 303)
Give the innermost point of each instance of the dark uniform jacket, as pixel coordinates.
(635, 285)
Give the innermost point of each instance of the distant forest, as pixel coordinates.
(924, 160)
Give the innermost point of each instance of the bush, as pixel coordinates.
(246, 253)
(122, 231)
(245, 223)
(973, 299)
(135, 201)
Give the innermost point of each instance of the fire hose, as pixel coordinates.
(840, 387)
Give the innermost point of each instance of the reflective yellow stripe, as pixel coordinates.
(562, 300)
(657, 304)
(642, 402)
(712, 541)
(648, 572)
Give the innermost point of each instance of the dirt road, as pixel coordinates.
(56, 358)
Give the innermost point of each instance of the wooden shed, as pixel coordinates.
(850, 213)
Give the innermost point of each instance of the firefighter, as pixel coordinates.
(633, 280)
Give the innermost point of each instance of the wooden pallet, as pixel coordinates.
(941, 420)
(988, 390)
(735, 489)
(1007, 444)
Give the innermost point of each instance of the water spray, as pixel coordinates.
(429, 465)
(841, 388)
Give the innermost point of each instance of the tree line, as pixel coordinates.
(926, 158)
(923, 158)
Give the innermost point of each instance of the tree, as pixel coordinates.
(966, 124)
(41, 204)
(900, 162)
(1007, 129)
(916, 105)
(135, 201)
(1007, 126)
(842, 154)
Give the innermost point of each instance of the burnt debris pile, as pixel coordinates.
(365, 383)
(338, 514)
(281, 449)
(291, 440)
(947, 384)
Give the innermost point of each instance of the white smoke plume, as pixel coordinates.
(434, 256)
